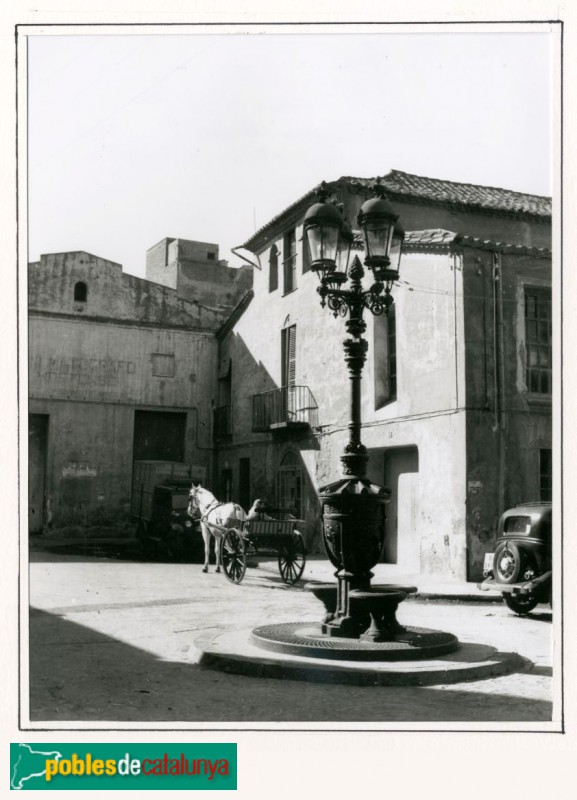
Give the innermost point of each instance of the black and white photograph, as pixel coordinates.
(290, 374)
(289, 365)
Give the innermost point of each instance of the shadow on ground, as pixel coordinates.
(79, 674)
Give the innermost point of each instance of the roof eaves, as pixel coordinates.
(438, 239)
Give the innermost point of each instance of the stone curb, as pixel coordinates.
(234, 653)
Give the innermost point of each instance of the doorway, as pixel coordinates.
(402, 540)
(37, 449)
(159, 436)
(244, 483)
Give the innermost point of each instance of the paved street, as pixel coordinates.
(114, 641)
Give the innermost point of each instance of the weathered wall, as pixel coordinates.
(91, 377)
(132, 345)
(496, 227)
(110, 293)
(427, 414)
(445, 405)
(215, 285)
(506, 425)
(158, 267)
(82, 360)
(193, 269)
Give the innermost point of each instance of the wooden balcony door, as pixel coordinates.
(288, 372)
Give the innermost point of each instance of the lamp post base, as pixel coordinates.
(307, 640)
(369, 615)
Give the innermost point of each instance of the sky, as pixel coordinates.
(134, 138)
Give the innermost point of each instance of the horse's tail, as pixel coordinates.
(239, 512)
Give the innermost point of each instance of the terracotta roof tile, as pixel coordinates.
(463, 194)
(434, 236)
(428, 190)
(438, 238)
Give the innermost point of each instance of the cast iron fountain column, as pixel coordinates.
(353, 523)
(360, 622)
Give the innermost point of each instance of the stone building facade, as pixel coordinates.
(457, 389)
(194, 271)
(119, 369)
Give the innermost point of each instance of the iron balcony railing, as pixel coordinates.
(289, 406)
(222, 422)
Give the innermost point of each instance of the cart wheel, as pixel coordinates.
(521, 603)
(292, 559)
(233, 555)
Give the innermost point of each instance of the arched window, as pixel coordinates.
(80, 292)
(290, 482)
(273, 269)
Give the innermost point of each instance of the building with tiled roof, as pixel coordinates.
(463, 200)
(456, 390)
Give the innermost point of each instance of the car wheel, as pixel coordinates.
(508, 563)
(520, 603)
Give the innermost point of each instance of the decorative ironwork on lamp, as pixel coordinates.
(352, 506)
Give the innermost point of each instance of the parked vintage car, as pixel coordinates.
(520, 567)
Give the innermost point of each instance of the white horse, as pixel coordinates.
(215, 518)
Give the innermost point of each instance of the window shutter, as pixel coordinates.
(291, 371)
(289, 339)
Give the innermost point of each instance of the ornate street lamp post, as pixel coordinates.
(360, 621)
(353, 529)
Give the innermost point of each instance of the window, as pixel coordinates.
(244, 495)
(211, 256)
(163, 365)
(159, 436)
(289, 483)
(385, 355)
(538, 340)
(392, 351)
(545, 475)
(226, 485)
(306, 255)
(80, 292)
(273, 269)
(288, 354)
(223, 411)
(290, 261)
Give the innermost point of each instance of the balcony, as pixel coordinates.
(223, 423)
(290, 408)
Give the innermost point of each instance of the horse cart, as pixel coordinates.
(271, 533)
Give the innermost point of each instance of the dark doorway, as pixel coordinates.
(159, 436)
(244, 483)
(226, 485)
(290, 482)
(37, 448)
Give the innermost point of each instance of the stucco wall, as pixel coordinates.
(132, 345)
(90, 377)
(111, 294)
(427, 413)
(506, 425)
(158, 267)
(445, 374)
(194, 270)
(84, 360)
